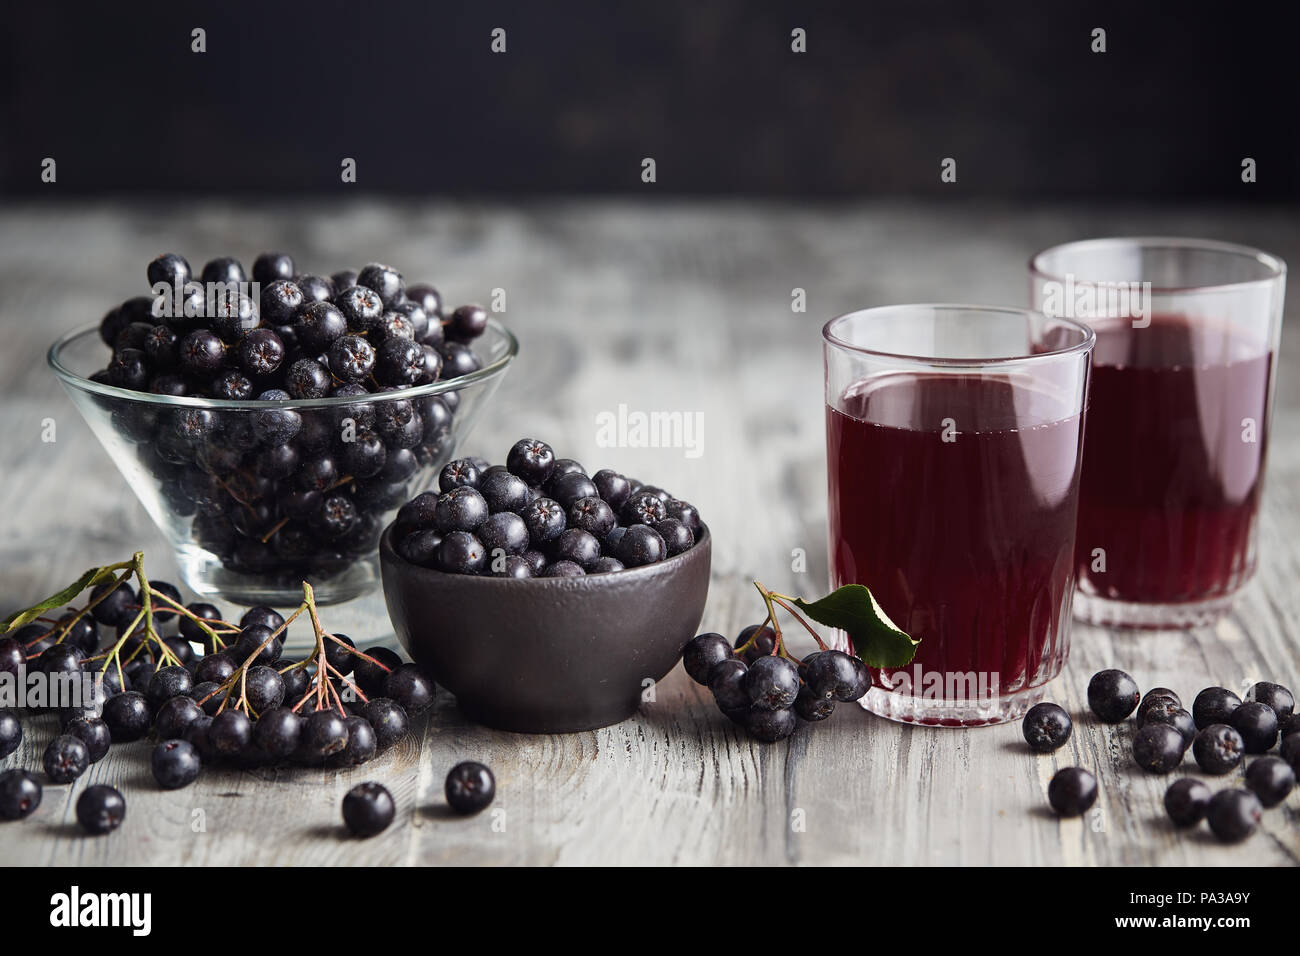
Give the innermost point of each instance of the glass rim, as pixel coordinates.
(1088, 336)
(1275, 265)
(80, 382)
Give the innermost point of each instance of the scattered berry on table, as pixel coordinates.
(1218, 749)
(20, 794)
(1158, 748)
(100, 809)
(1271, 779)
(1046, 727)
(1257, 724)
(368, 809)
(1156, 708)
(1073, 790)
(1112, 695)
(1275, 696)
(1187, 801)
(1179, 719)
(1234, 815)
(1214, 705)
(470, 787)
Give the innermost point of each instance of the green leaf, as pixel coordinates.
(89, 579)
(877, 640)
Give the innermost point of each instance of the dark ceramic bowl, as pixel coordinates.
(547, 655)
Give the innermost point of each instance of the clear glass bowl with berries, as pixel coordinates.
(271, 425)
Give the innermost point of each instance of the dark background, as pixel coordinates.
(710, 90)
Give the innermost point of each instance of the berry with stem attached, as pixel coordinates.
(128, 716)
(770, 726)
(230, 733)
(811, 707)
(702, 653)
(388, 720)
(772, 683)
(11, 733)
(727, 682)
(168, 682)
(278, 733)
(362, 743)
(324, 734)
(755, 641)
(65, 759)
(176, 715)
(408, 687)
(175, 764)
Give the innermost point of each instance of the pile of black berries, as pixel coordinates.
(279, 492)
(541, 516)
(767, 692)
(189, 714)
(1220, 731)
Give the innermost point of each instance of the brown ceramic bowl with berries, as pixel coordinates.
(542, 614)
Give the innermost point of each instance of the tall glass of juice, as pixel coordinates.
(1182, 381)
(953, 441)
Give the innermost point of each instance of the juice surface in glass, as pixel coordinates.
(954, 498)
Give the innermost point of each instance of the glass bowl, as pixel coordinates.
(240, 490)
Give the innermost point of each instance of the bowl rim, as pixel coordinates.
(81, 383)
(487, 581)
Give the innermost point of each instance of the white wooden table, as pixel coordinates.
(661, 305)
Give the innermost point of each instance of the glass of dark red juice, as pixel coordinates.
(953, 442)
(1182, 381)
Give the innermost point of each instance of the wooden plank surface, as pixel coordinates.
(663, 306)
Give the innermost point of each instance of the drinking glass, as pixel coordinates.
(1182, 382)
(953, 442)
